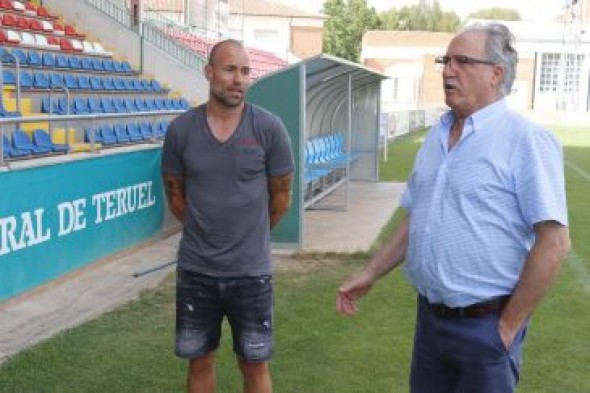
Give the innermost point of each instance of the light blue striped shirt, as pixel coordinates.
(472, 209)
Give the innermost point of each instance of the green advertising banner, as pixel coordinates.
(55, 219)
(287, 86)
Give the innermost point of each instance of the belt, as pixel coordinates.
(472, 311)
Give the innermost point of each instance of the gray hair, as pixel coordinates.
(500, 50)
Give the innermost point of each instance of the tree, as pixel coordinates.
(496, 13)
(346, 22)
(423, 16)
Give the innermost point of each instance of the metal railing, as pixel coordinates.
(152, 31)
(94, 119)
(8, 55)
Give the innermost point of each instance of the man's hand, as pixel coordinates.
(355, 287)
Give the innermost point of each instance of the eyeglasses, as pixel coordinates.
(462, 60)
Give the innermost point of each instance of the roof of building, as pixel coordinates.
(397, 38)
(269, 8)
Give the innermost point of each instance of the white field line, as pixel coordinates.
(579, 171)
(581, 271)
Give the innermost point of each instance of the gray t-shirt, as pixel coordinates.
(226, 228)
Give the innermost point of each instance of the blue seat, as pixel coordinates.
(169, 104)
(130, 104)
(65, 108)
(46, 106)
(150, 104)
(41, 139)
(94, 105)
(128, 83)
(21, 56)
(107, 135)
(61, 61)
(108, 83)
(126, 67)
(84, 82)
(90, 132)
(3, 53)
(71, 81)
(11, 152)
(8, 77)
(159, 104)
(80, 106)
(26, 80)
(156, 87)
(56, 80)
(146, 84)
(140, 104)
(117, 67)
(96, 83)
(121, 133)
(40, 80)
(107, 105)
(134, 132)
(21, 141)
(119, 83)
(87, 63)
(48, 60)
(75, 62)
(108, 65)
(137, 86)
(34, 58)
(97, 64)
(120, 105)
(145, 130)
(183, 103)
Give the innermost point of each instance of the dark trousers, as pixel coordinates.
(457, 354)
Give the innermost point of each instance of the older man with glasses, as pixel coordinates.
(486, 226)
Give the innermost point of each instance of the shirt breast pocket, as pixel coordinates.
(250, 163)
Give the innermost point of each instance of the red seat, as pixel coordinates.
(70, 31)
(36, 25)
(23, 23)
(42, 12)
(2, 37)
(8, 20)
(58, 28)
(30, 6)
(66, 45)
(51, 40)
(6, 4)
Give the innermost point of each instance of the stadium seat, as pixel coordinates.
(71, 81)
(12, 37)
(27, 39)
(9, 20)
(21, 56)
(66, 45)
(126, 67)
(107, 105)
(47, 26)
(5, 113)
(36, 25)
(97, 64)
(26, 80)
(58, 28)
(140, 104)
(130, 105)
(87, 64)
(146, 131)
(23, 23)
(54, 42)
(90, 133)
(150, 104)
(18, 6)
(48, 60)
(128, 83)
(108, 83)
(119, 83)
(118, 67)
(56, 80)
(121, 133)
(41, 139)
(30, 9)
(34, 58)
(62, 61)
(80, 106)
(120, 105)
(40, 80)
(84, 82)
(155, 85)
(134, 133)
(75, 62)
(108, 65)
(42, 12)
(8, 77)
(96, 83)
(6, 5)
(21, 141)
(107, 135)
(11, 152)
(41, 42)
(77, 45)
(94, 105)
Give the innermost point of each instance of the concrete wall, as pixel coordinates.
(126, 43)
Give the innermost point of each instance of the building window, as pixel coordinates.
(559, 69)
(266, 35)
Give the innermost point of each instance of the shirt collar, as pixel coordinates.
(481, 117)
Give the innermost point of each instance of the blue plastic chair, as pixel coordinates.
(80, 106)
(71, 81)
(8, 77)
(61, 61)
(21, 141)
(41, 139)
(48, 60)
(75, 62)
(97, 135)
(107, 135)
(134, 132)
(11, 152)
(56, 80)
(107, 105)
(87, 64)
(40, 80)
(145, 130)
(107, 83)
(121, 133)
(84, 82)
(140, 104)
(96, 83)
(94, 105)
(34, 58)
(97, 64)
(108, 65)
(21, 56)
